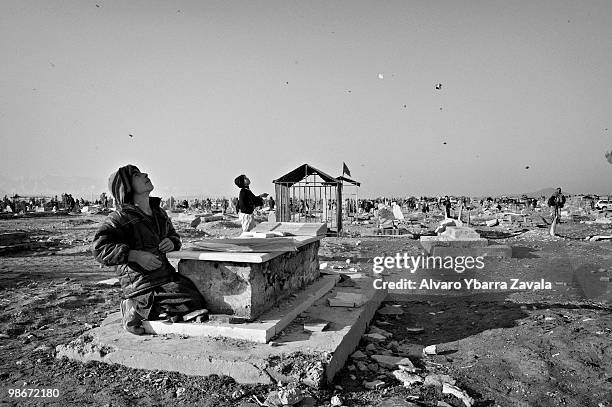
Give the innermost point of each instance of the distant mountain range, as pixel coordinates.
(541, 192)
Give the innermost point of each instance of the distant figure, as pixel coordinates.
(447, 206)
(272, 213)
(425, 209)
(247, 202)
(556, 201)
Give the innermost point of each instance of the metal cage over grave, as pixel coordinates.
(350, 190)
(307, 194)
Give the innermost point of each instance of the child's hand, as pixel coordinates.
(146, 260)
(166, 245)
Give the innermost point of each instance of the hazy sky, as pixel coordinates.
(210, 90)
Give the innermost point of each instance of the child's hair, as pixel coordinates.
(240, 181)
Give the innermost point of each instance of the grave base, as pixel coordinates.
(315, 356)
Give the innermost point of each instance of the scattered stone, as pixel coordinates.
(457, 392)
(237, 394)
(376, 330)
(412, 349)
(290, 396)
(362, 366)
(416, 330)
(374, 337)
(376, 384)
(406, 364)
(194, 314)
(438, 380)
(408, 379)
(371, 347)
(272, 400)
(315, 325)
(429, 350)
(109, 282)
(390, 310)
(390, 362)
(492, 222)
(359, 355)
(336, 401)
(322, 266)
(396, 402)
(373, 367)
(180, 391)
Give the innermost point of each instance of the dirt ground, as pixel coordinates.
(513, 348)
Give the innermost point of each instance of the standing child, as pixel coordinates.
(247, 202)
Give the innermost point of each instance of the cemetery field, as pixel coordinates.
(522, 346)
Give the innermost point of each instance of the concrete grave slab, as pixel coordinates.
(500, 251)
(460, 233)
(239, 285)
(321, 354)
(429, 242)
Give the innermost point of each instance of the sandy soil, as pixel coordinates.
(518, 348)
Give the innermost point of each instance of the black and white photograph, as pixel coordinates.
(326, 203)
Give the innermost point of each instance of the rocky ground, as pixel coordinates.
(515, 348)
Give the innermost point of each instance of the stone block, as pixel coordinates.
(460, 233)
(246, 290)
(429, 242)
(501, 251)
